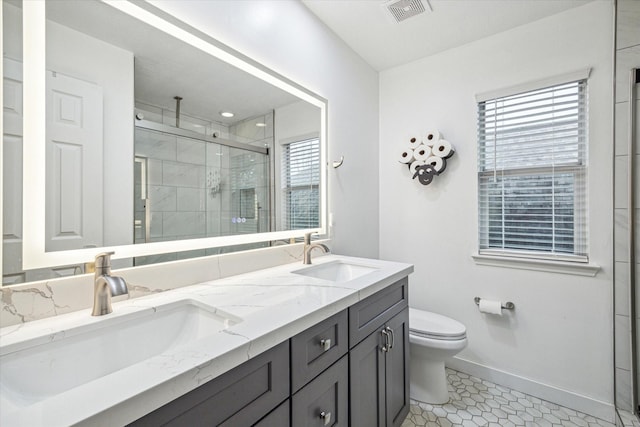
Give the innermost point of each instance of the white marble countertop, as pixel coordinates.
(272, 305)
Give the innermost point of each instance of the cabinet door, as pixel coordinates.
(397, 370)
(367, 381)
(241, 397)
(325, 400)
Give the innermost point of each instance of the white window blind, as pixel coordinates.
(532, 173)
(300, 182)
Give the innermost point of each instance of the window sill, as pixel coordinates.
(563, 267)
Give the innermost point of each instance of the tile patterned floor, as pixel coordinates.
(476, 402)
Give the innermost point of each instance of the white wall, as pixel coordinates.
(286, 37)
(560, 335)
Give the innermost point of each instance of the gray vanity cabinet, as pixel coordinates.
(379, 376)
(379, 362)
(351, 369)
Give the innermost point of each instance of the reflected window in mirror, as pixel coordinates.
(301, 181)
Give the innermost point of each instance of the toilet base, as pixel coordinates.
(428, 381)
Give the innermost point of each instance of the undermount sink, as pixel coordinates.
(94, 350)
(336, 271)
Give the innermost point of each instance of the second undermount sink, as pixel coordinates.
(94, 350)
(336, 271)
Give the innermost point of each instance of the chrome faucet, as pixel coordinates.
(308, 247)
(105, 285)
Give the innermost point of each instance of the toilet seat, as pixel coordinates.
(435, 326)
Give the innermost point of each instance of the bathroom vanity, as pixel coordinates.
(364, 346)
(293, 345)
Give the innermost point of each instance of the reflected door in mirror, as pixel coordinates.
(74, 163)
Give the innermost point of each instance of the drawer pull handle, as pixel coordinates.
(393, 337)
(326, 416)
(326, 344)
(386, 346)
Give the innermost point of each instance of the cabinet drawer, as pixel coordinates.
(326, 395)
(371, 313)
(317, 348)
(279, 417)
(239, 397)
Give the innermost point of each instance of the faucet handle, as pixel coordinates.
(103, 259)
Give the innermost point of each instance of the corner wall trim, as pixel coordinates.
(577, 402)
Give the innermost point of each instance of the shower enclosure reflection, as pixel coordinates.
(190, 185)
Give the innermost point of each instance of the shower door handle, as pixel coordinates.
(147, 220)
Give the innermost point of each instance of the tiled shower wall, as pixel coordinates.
(627, 56)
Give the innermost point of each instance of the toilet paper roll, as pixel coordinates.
(442, 149)
(431, 137)
(490, 307)
(414, 166)
(406, 156)
(414, 142)
(422, 153)
(438, 163)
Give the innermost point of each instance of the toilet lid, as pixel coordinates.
(432, 325)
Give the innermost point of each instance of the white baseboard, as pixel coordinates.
(577, 402)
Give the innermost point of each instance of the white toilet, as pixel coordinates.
(434, 339)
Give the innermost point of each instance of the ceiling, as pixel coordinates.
(365, 26)
(206, 84)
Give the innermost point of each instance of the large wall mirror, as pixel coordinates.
(127, 130)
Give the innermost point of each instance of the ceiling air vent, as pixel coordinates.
(399, 10)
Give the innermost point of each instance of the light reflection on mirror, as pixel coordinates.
(127, 162)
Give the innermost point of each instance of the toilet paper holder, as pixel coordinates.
(506, 306)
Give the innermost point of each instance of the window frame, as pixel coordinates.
(286, 189)
(528, 258)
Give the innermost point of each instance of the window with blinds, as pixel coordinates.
(532, 173)
(300, 184)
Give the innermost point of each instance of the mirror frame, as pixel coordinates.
(34, 134)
